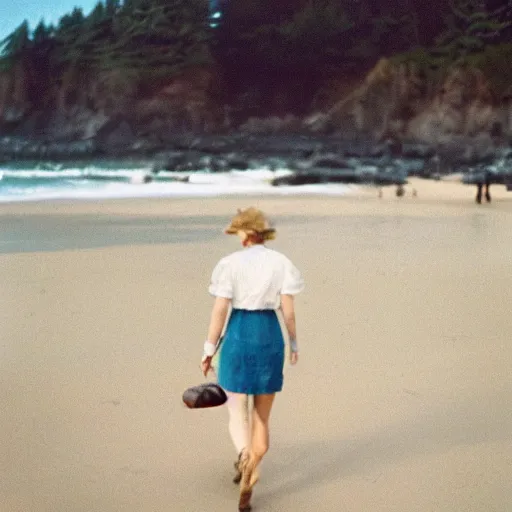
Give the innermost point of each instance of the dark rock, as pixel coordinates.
(14, 114)
(115, 135)
(299, 178)
(315, 175)
(170, 161)
(330, 162)
(417, 150)
(67, 150)
(238, 162)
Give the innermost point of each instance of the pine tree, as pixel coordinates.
(15, 47)
(157, 37)
(471, 25)
(112, 7)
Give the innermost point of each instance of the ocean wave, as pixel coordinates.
(99, 183)
(86, 172)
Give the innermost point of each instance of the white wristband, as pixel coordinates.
(209, 349)
(293, 346)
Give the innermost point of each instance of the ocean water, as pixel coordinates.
(37, 182)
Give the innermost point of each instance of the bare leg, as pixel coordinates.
(260, 433)
(259, 447)
(239, 429)
(487, 193)
(238, 408)
(479, 192)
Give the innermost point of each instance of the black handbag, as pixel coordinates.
(204, 395)
(209, 394)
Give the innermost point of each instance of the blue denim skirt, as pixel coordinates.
(251, 357)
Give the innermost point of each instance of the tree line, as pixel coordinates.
(258, 45)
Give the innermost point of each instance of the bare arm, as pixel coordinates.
(217, 320)
(288, 309)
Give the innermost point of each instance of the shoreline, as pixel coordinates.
(448, 190)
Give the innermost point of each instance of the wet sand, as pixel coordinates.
(401, 400)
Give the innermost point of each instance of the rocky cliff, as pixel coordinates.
(104, 108)
(15, 106)
(394, 100)
(400, 101)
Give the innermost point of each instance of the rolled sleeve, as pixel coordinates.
(293, 283)
(221, 284)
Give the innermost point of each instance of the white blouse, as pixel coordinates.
(255, 277)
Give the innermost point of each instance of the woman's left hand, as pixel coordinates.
(206, 365)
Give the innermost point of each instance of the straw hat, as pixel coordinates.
(252, 221)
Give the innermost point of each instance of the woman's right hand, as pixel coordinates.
(294, 358)
(206, 365)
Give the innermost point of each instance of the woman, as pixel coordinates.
(255, 282)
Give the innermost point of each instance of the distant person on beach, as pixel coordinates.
(256, 282)
(480, 186)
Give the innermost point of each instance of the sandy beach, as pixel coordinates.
(401, 402)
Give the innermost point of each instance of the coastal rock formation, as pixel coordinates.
(15, 103)
(400, 100)
(104, 107)
(457, 111)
